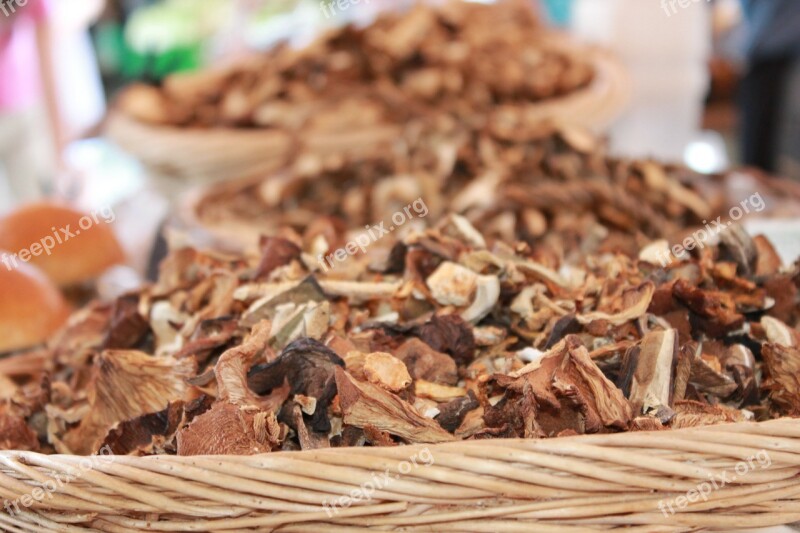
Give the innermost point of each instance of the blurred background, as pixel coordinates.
(714, 84)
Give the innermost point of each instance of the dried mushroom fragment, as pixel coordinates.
(128, 327)
(779, 333)
(308, 367)
(276, 252)
(385, 370)
(693, 414)
(423, 362)
(449, 334)
(715, 310)
(154, 433)
(768, 262)
(309, 439)
(228, 429)
(436, 392)
(453, 284)
(365, 404)
(567, 384)
(649, 372)
(708, 376)
(739, 362)
(15, 433)
(634, 303)
(125, 385)
(782, 380)
(452, 414)
(737, 244)
(233, 365)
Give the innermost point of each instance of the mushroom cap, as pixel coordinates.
(31, 306)
(71, 247)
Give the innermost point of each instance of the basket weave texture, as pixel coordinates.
(717, 478)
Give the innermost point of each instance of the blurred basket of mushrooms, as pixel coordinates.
(355, 87)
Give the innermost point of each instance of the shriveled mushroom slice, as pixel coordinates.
(543, 273)
(694, 414)
(155, 433)
(423, 362)
(739, 361)
(708, 376)
(768, 261)
(638, 300)
(308, 367)
(163, 320)
(459, 227)
(127, 384)
(449, 334)
(453, 413)
(716, 310)
(363, 403)
(355, 291)
(779, 333)
(309, 439)
(567, 384)
(453, 284)
(276, 252)
(437, 392)
(228, 429)
(650, 370)
(486, 296)
(657, 253)
(782, 381)
(232, 367)
(14, 431)
(387, 371)
(738, 245)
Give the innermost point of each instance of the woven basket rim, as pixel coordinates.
(767, 428)
(578, 483)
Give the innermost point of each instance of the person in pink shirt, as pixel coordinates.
(27, 89)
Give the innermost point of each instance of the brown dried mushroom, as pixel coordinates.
(251, 366)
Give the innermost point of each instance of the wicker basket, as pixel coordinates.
(715, 478)
(212, 155)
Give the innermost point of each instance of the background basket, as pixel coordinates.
(177, 159)
(218, 154)
(586, 483)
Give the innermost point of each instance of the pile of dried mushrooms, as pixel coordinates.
(439, 335)
(554, 187)
(402, 65)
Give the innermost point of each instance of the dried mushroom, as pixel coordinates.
(649, 374)
(248, 354)
(568, 386)
(365, 404)
(125, 385)
(331, 84)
